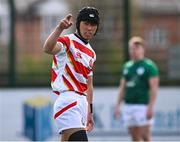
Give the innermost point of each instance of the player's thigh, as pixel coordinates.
(146, 131)
(135, 132)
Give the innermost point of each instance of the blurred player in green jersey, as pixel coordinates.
(138, 89)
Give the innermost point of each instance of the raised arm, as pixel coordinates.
(50, 45)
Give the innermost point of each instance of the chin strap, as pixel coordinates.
(81, 38)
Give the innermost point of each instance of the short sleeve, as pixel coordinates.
(90, 73)
(125, 69)
(92, 62)
(65, 41)
(153, 70)
(63, 50)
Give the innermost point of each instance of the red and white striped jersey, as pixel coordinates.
(72, 65)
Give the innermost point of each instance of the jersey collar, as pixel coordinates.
(82, 39)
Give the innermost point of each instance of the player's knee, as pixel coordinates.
(78, 136)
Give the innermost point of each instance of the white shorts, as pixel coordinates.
(70, 111)
(135, 115)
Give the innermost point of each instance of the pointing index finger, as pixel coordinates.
(68, 17)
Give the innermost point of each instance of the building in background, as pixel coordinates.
(160, 21)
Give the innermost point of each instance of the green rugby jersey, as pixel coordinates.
(137, 75)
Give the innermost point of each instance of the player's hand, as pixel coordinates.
(66, 22)
(90, 122)
(149, 113)
(117, 112)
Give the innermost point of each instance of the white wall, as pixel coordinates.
(167, 112)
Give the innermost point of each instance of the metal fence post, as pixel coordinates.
(12, 58)
(126, 28)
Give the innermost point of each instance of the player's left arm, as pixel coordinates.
(89, 91)
(154, 85)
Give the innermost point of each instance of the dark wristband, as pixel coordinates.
(91, 108)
